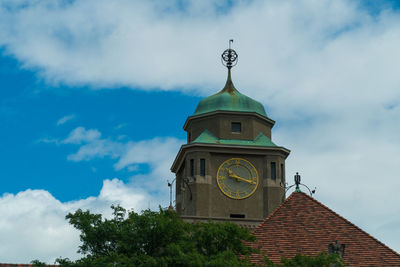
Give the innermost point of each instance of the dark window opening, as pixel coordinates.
(192, 167)
(237, 216)
(236, 127)
(202, 167)
(273, 170)
(189, 137)
(282, 172)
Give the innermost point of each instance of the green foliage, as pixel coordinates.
(321, 260)
(37, 263)
(156, 239)
(164, 239)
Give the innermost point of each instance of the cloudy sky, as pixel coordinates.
(94, 94)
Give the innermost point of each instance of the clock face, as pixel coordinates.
(237, 178)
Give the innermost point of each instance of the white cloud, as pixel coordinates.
(65, 119)
(97, 148)
(326, 70)
(81, 135)
(33, 225)
(33, 221)
(157, 153)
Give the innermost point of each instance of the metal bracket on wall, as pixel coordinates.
(170, 192)
(186, 181)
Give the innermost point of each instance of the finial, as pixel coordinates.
(229, 57)
(297, 183)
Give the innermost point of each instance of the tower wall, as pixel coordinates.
(229, 170)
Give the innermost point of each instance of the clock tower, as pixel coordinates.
(229, 170)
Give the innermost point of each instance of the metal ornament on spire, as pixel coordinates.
(229, 57)
(297, 183)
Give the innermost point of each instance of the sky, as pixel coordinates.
(94, 95)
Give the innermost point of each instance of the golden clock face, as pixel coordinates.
(237, 178)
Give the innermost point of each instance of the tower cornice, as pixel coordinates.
(217, 112)
(227, 149)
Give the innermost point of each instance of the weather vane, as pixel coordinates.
(229, 57)
(297, 183)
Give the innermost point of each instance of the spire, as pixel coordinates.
(229, 87)
(229, 59)
(229, 98)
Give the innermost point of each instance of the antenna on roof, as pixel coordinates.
(229, 57)
(297, 183)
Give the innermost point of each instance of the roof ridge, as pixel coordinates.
(206, 131)
(347, 221)
(262, 136)
(274, 211)
(207, 137)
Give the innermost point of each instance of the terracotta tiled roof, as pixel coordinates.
(302, 225)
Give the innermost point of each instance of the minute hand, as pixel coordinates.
(240, 178)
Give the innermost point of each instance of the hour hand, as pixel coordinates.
(231, 174)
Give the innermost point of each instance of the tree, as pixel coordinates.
(323, 259)
(37, 263)
(157, 239)
(164, 239)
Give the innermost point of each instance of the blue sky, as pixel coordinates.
(94, 94)
(31, 113)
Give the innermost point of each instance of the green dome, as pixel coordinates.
(229, 99)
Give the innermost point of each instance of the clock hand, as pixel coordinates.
(231, 174)
(243, 179)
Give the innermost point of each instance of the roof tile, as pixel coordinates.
(303, 225)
